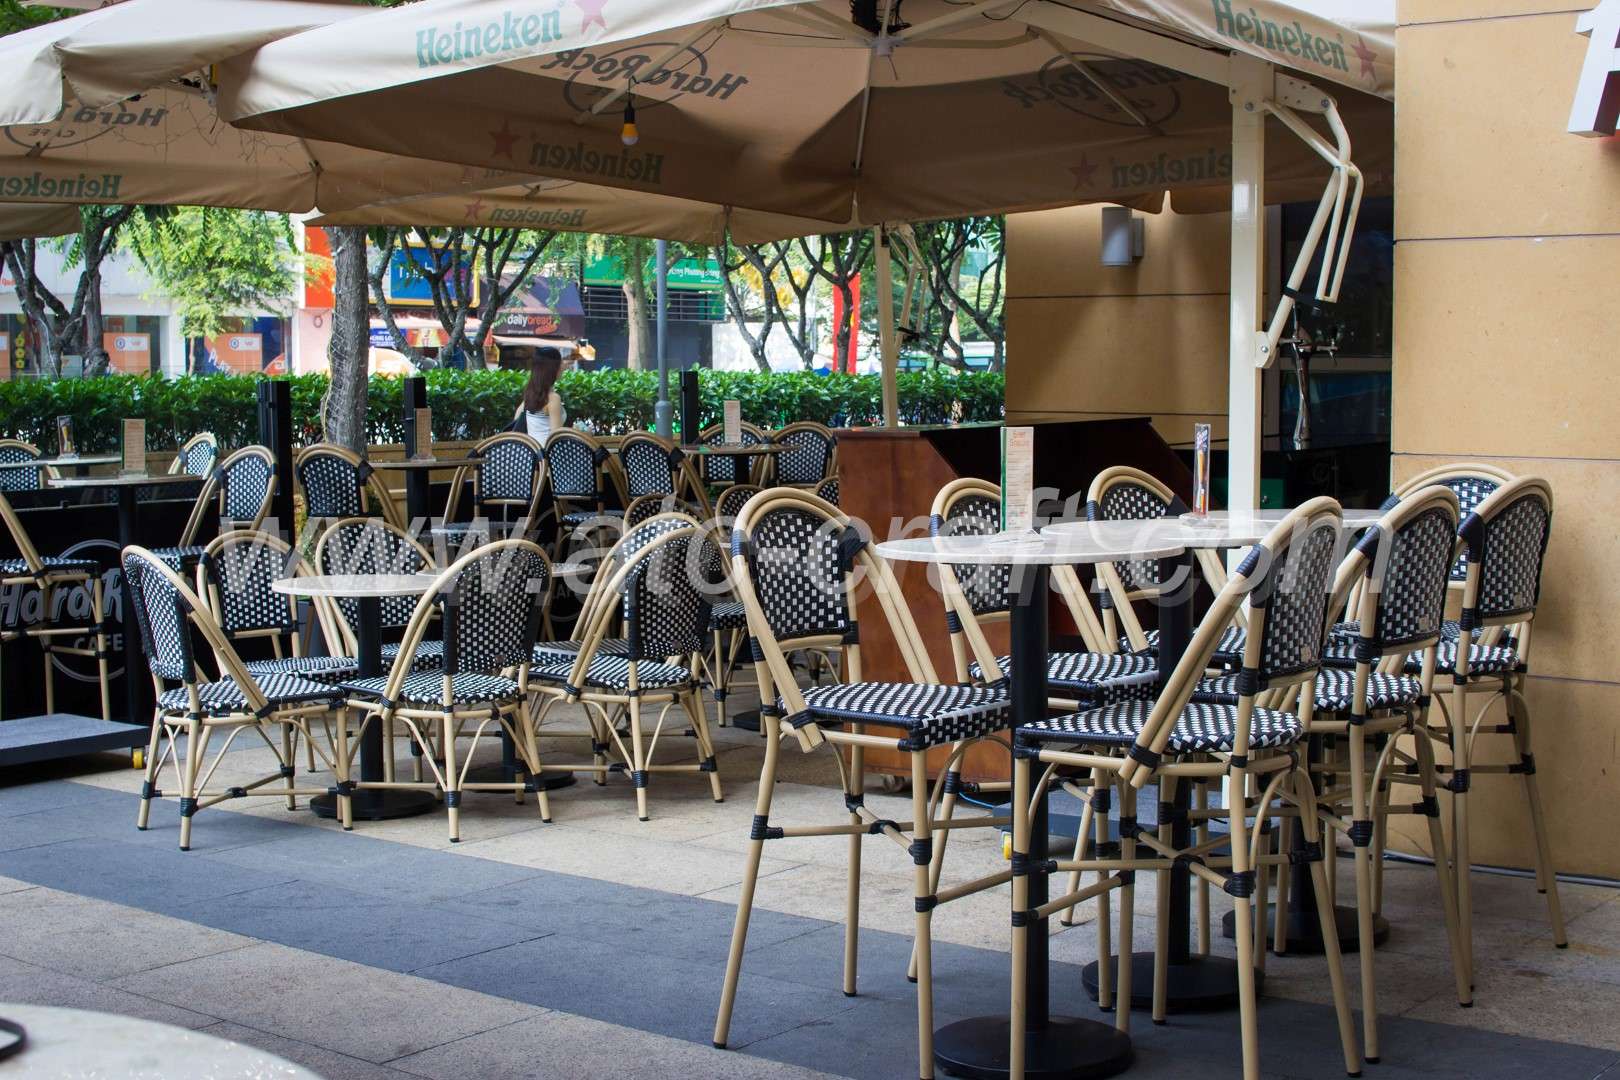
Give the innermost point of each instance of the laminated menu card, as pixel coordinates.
(1017, 479)
(134, 446)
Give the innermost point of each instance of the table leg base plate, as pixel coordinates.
(377, 805)
(496, 774)
(1201, 984)
(748, 721)
(1067, 1048)
(1305, 931)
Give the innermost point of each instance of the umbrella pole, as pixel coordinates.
(662, 410)
(1251, 84)
(888, 342)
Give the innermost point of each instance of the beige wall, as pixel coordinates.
(1093, 340)
(1508, 245)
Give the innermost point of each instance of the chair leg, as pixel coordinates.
(1243, 934)
(638, 764)
(947, 810)
(1201, 803)
(1361, 840)
(1161, 940)
(1019, 1019)
(1127, 912)
(102, 676)
(1101, 783)
(1305, 797)
(1279, 906)
(524, 721)
(1380, 842)
(852, 889)
(1461, 752)
(1082, 839)
(289, 754)
(1546, 875)
(1437, 846)
(340, 758)
(452, 776)
(188, 780)
(923, 834)
(745, 901)
(144, 813)
(693, 705)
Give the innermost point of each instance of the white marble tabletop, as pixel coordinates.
(355, 585)
(1079, 542)
(1353, 518)
(426, 463)
(123, 480)
(735, 449)
(80, 1043)
(64, 462)
(1215, 531)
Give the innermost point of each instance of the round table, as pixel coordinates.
(77, 1042)
(743, 453)
(1056, 1046)
(1247, 522)
(419, 480)
(137, 690)
(368, 590)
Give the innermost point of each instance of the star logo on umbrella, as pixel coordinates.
(475, 208)
(591, 10)
(1083, 172)
(1366, 56)
(505, 139)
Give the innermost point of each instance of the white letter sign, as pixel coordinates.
(1597, 95)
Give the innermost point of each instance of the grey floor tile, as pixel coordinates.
(652, 993)
(355, 1010)
(35, 985)
(875, 1040)
(93, 939)
(154, 878)
(326, 1063)
(399, 933)
(29, 798)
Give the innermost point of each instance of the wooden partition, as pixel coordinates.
(889, 478)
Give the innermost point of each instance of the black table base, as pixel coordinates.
(378, 805)
(1305, 930)
(1195, 984)
(499, 774)
(1066, 1048)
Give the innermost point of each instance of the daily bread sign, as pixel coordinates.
(1597, 95)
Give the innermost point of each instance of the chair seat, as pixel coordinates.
(1228, 651)
(613, 673)
(728, 615)
(1335, 690)
(427, 688)
(1203, 727)
(1099, 678)
(1450, 630)
(429, 655)
(552, 653)
(325, 669)
(1482, 660)
(227, 697)
(931, 714)
(180, 559)
(59, 563)
(580, 517)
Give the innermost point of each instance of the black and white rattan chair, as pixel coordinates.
(728, 619)
(829, 490)
(15, 451)
(810, 455)
(579, 471)
(237, 494)
(197, 456)
(506, 488)
(338, 483)
(659, 592)
(51, 574)
(796, 561)
(1284, 582)
(728, 471)
(655, 466)
(489, 603)
(167, 612)
(363, 545)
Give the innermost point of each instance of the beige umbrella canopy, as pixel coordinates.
(788, 107)
(20, 221)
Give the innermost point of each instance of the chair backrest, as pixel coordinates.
(13, 451)
(729, 503)
(574, 466)
(1401, 565)
(727, 470)
(491, 600)
(970, 507)
(334, 479)
(511, 471)
(652, 466)
(363, 545)
(234, 578)
(829, 490)
(247, 483)
(644, 507)
(1471, 481)
(663, 590)
(1505, 544)
(809, 457)
(197, 456)
(1284, 581)
(1122, 493)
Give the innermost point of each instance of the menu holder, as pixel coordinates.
(65, 446)
(1018, 480)
(422, 450)
(1200, 469)
(134, 447)
(733, 422)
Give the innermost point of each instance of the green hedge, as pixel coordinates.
(472, 404)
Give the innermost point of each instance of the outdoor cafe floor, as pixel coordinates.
(595, 946)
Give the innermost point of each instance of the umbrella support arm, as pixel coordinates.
(887, 338)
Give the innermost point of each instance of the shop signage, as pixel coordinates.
(684, 274)
(405, 283)
(1597, 95)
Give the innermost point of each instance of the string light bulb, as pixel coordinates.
(628, 133)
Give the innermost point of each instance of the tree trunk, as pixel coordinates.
(635, 299)
(343, 410)
(96, 360)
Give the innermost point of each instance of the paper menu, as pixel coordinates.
(423, 446)
(65, 446)
(135, 446)
(1017, 479)
(733, 422)
(1200, 469)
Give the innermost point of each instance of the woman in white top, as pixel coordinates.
(542, 409)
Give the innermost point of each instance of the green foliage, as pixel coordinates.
(472, 404)
(213, 263)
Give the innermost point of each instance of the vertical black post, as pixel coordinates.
(1175, 633)
(414, 397)
(1029, 634)
(691, 408)
(275, 432)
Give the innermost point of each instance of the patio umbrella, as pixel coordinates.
(19, 221)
